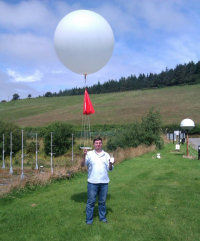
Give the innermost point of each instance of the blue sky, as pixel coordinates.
(150, 35)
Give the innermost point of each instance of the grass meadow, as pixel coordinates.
(174, 103)
(148, 199)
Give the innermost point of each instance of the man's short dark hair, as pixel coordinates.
(97, 139)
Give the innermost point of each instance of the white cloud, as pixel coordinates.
(36, 76)
(163, 15)
(157, 14)
(27, 47)
(34, 15)
(183, 49)
(62, 7)
(58, 71)
(123, 23)
(8, 88)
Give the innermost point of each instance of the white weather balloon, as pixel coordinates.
(84, 41)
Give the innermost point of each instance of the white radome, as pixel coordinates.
(187, 124)
(84, 41)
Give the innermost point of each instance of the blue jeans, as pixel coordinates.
(100, 189)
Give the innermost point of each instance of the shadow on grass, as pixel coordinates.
(82, 198)
(177, 152)
(79, 197)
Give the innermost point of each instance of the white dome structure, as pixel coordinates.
(187, 124)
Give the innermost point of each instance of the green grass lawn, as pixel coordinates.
(149, 199)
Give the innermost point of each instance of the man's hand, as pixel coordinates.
(85, 151)
(111, 162)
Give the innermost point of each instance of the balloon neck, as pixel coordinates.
(85, 77)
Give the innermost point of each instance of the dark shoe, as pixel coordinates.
(89, 223)
(103, 221)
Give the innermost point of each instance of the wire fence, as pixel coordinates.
(17, 167)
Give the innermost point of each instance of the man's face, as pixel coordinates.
(98, 145)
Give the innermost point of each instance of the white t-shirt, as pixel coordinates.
(98, 166)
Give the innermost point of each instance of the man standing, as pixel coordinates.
(98, 164)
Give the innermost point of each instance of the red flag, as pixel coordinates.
(87, 105)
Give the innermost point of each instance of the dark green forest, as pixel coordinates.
(180, 75)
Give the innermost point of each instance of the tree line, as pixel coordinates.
(181, 74)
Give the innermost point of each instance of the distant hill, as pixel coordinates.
(174, 103)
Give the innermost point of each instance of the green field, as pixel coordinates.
(149, 199)
(174, 104)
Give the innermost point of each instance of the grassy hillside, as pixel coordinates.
(174, 104)
(148, 199)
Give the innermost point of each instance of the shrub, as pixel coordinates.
(159, 143)
(62, 134)
(31, 131)
(147, 132)
(170, 127)
(6, 129)
(31, 147)
(195, 130)
(130, 136)
(151, 127)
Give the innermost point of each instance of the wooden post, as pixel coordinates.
(187, 144)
